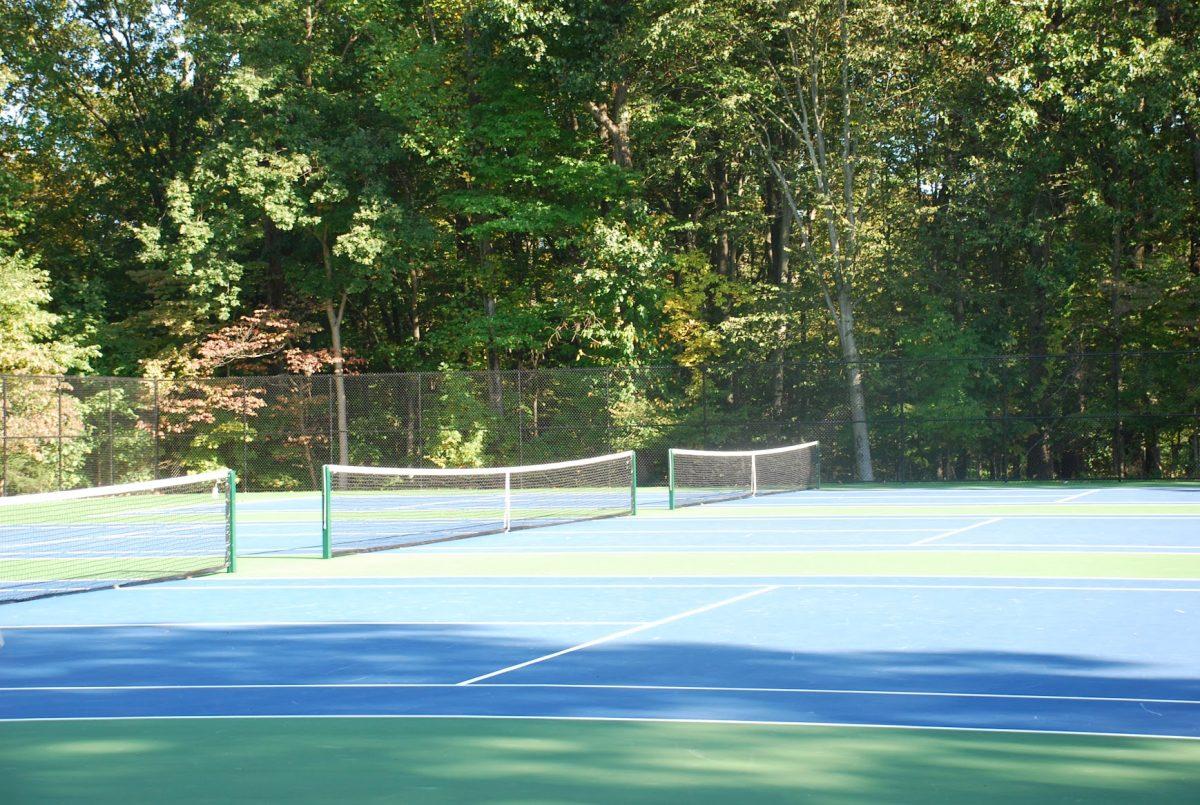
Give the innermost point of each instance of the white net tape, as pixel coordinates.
(87, 539)
(375, 508)
(707, 476)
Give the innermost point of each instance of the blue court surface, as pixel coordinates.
(382, 636)
(1115, 658)
(1141, 518)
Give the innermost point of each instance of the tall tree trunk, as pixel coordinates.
(777, 268)
(335, 316)
(1037, 444)
(780, 236)
(271, 252)
(723, 247)
(1194, 237)
(854, 386)
(414, 307)
(335, 313)
(1116, 262)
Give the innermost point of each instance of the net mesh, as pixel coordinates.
(371, 508)
(88, 539)
(707, 476)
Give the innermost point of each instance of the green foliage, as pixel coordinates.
(28, 330)
(451, 448)
(534, 183)
(461, 424)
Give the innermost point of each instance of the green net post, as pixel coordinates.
(326, 514)
(231, 503)
(671, 480)
(633, 483)
(817, 468)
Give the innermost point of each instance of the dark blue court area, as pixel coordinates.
(1072, 656)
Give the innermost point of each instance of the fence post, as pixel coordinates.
(1004, 427)
(420, 417)
(1118, 441)
(246, 432)
(156, 428)
(3, 436)
(329, 397)
(608, 445)
(61, 382)
(112, 444)
(326, 513)
(520, 416)
(704, 406)
(231, 518)
(633, 483)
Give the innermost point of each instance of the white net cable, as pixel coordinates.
(376, 508)
(708, 476)
(87, 539)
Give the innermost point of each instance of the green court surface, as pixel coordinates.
(514, 760)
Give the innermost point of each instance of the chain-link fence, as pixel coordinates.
(1087, 415)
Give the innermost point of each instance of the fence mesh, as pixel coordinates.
(1086, 415)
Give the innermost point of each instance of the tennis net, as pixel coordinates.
(706, 476)
(376, 508)
(88, 539)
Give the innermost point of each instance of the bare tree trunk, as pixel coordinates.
(613, 120)
(854, 387)
(803, 118)
(777, 264)
(414, 307)
(339, 378)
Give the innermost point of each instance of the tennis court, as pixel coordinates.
(1040, 641)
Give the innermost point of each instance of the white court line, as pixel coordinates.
(209, 585)
(1076, 497)
(1057, 588)
(937, 537)
(623, 633)
(800, 547)
(695, 528)
(801, 517)
(580, 686)
(893, 547)
(590, 583)
(272, 624)
(981, 490)
(1062, 513)
(620, 719)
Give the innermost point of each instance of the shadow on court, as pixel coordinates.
(412, 670)
(457, 760)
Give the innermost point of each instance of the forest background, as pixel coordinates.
(852, 200)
